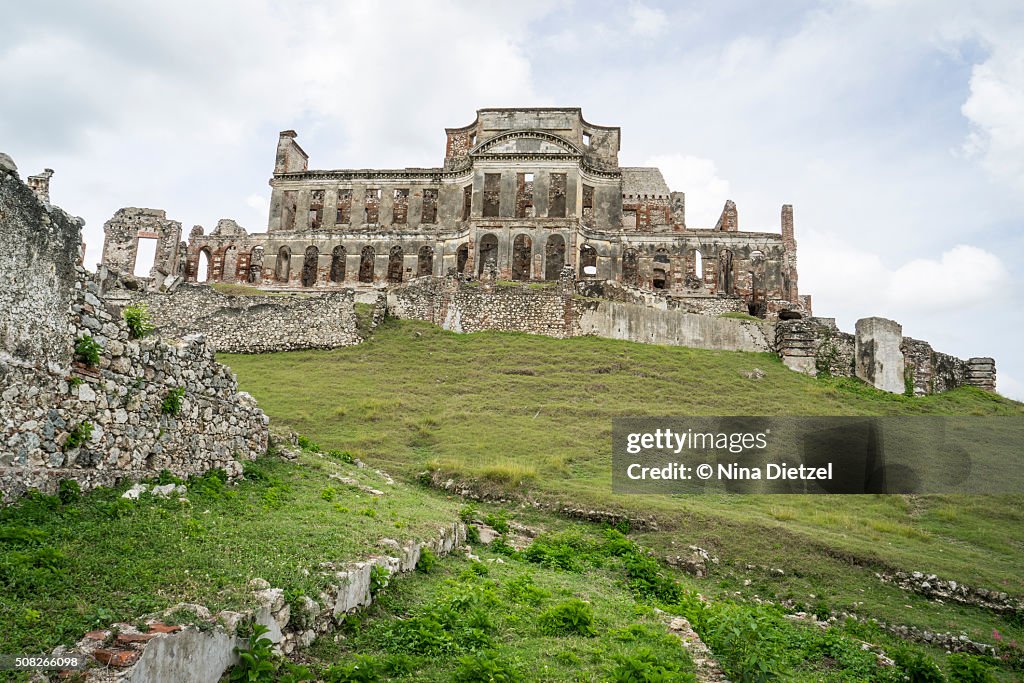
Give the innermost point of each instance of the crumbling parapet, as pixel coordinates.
(981, 373)
(729, 221)
(879, 359)
(121, 235)
(815, 346)
(40, 184)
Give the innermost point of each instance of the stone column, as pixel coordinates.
(878, 358)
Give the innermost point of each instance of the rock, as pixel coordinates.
(135, 491)
(7, 163)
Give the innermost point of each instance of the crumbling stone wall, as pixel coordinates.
(117, 406)
(123, 232)
(817, 345)
(474, 307)
(250, 324)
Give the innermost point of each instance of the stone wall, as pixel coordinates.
(813, 345)
(478, 306)
(249, 324)
(115, 408)
(639, 323)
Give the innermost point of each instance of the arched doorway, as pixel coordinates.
(588, 259)
(461, 258)
(283, 267)
(229, 271)
(366, 264)
(522, 257)
(203, 270)
(309, 266)
(395, 264)
(630, 266)
(726, 280)
(554, 257)
(488, 251)
(256, 265)
(425, 261)
(338, 257)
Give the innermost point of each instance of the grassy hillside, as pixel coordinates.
(532, 415)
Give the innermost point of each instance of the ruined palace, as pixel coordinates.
(522, 194)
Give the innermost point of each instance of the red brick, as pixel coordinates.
(118, 658)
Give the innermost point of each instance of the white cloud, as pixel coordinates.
(995, 109)
(844, 277)
(698, 178)
(646, 21)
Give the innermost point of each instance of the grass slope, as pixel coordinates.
(534, 414)
(70, 565)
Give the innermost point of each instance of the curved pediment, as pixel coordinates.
(528, 142)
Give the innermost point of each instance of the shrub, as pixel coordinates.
(917, 667)
(427, 561)
(362, 669)
(343, 456)
(497, 522)
(172, 401)
(307, 444)
(485, 667)
(68, 491)
(472, 534)
(571, 617)
(88, 350)
(79, 435)
(964, 668)
(644, 667)
(137, 319)
(379, 578)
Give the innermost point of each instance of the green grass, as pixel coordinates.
(67, 567)
(532, 415)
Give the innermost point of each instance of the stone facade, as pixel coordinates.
(98, 423)
(531, 191)
(249, 324)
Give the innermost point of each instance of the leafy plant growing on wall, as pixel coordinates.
(172, 401)
(79, 435)
(88, 350)
(137, 318)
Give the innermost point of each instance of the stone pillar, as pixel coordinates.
(878, 357)
(981, 373)
(40, 184)
(330, 209)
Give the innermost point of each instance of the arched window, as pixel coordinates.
(338, 256)
(660, 280)
(309, 267)
(425, 261)
(395, 264)
(488, 251)
(554, 257)
(698, 264)
(366, 264)
(522, 257)
(588, 261)
(461, 257)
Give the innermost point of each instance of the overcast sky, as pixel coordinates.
(896, 129)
